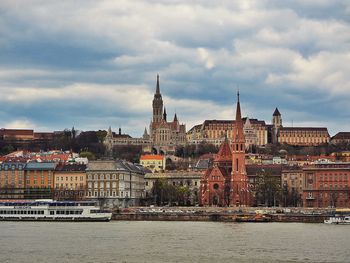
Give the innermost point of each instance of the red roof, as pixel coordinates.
(152, 157)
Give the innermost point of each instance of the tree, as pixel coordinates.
(88, 155)
(267, 189)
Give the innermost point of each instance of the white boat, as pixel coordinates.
(338, 220)
(49, 210)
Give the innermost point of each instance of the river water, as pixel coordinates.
(134, 241)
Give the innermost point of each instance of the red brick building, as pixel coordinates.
(327, 184)
(226, 182)
(216, 183)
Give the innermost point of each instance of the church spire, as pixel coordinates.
(175, 118)
(238, 110)
(157, 104)
(158, 89)
(164, 114)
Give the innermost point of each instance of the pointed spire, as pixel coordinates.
(238, 110)
(175, 118)
(158, 89)
(164, 114)
(276, 112)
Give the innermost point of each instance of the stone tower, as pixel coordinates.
(276, 125)
(239, 181)
(157, 104)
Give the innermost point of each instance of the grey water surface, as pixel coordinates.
(134, 241)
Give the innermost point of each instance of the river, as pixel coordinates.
(139, 241)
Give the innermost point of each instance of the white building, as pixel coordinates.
(115, 183)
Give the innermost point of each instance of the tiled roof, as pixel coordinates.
(152, 157)
(41, 166)
(71, 167)
(304, 129)
(272, 169)
(342, 136)
(224, 153)
(11, 165)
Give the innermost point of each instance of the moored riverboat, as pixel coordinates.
(341, 217)
(49, 210)
(338, 220)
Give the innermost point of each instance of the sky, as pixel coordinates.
(93, 64)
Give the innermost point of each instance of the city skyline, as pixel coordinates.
(94, 64)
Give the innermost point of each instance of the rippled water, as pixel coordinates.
(173, 242)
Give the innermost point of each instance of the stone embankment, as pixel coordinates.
(224, 214)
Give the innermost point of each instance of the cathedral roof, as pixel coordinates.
(225, 153)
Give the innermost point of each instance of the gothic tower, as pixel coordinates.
(157, 105)
(276, 125)
(239, 180)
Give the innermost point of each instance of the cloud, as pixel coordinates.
(93, 63)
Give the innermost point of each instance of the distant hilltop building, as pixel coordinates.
(112, 139)
(215, 132)
(165, 135)
(341, 137)
(297, 136)
(18, 135)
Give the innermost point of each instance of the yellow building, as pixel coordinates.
(215, 132)
(154, 162)
(303, 136)
(70, 181)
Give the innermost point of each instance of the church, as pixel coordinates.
(165, 135)
(226, 182)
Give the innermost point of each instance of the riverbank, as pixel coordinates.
(224, 215)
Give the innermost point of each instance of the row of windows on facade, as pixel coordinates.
(67, 185)
(105, 176)
(66, 178)
(102, 185)
(330, 178)
(107, 194)
(302, 139)
(180, 183)
(336, 186)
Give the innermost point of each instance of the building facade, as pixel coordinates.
(341, 137)
(70, 181)
(215, 132)
(115, 183)
(190, 179)
(120, 139)
(12, 180)
(326, 185)
(39, 180)
(154, 162)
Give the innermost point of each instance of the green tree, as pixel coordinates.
(267, 189)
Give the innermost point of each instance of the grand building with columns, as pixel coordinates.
(226, 182)
(165, 135)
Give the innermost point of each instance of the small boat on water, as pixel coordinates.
(49, 210)
(338, 220)
(341, 217)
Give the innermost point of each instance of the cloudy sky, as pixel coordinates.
(91, 64)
